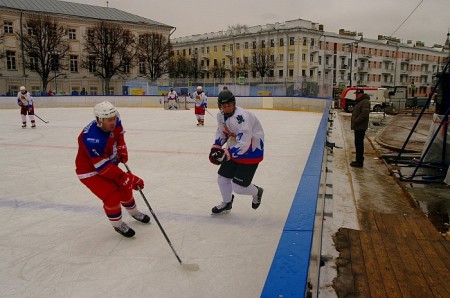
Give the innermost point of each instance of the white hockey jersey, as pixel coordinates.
(244, 134)
(25, 99)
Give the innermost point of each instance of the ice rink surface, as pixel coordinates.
(55, 240)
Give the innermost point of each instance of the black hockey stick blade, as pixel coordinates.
(46, 122)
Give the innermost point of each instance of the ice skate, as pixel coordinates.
(24, 126)
(144, 218)
(125, 230)
(33, 126)
(257, 199)
(223, 208)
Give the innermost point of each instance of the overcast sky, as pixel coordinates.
(429, 23)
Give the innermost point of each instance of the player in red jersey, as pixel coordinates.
(101, 146)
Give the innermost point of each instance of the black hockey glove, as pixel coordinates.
(218, 155)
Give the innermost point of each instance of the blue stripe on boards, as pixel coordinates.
(288, 274)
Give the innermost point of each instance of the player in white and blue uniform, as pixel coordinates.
(244, 136)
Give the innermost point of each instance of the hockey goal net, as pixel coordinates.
(181, 104)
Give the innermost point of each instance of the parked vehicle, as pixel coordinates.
(378, 98)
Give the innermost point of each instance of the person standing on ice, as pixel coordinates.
(101, 146)
(25, 102)
(172, 99)
(201, 103)
(244, 136)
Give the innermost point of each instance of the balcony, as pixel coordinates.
(205, 68)
(204, 56)
(328, 66)
(314, 64)
(313, 49)
(364, 57)
(229, 53)
(363, 69)
(387, 71)
(329, 52)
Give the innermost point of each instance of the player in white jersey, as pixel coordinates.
(201, 103)
(25, 102)
(172, 99)
(244, 136)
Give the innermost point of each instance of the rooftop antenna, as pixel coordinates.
(107, 2)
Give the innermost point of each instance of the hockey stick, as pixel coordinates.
(199, 103)
(41, 119)
(190, 267)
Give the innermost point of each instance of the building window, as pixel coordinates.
(126, 66)
(291, 41)
(30, 31)
(231, 47)
(303, 57)
(291, 56)
(92, 64)
(73, 63)
(305, 41)
(291, 72)
(246, 45)
(72, 34)
(272, 43)
(280, 73)
(254, 44)
(263, 44)
(93, 90)
(142, 66)
(281, 57)
(238, 46)
(33, 62)
(11, 60)
(281, 42)
(8, 27)
(303, 72)
(215, 49)
(223, 47)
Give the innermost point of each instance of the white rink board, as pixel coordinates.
(55, 240)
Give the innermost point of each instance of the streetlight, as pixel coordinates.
(55, 66)
(351, 59)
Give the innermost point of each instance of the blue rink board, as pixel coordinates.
(288, 273)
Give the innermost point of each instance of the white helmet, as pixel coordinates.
(199, 88)
(105, 110)
(22, 88)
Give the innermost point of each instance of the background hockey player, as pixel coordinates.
(201, 104)
(244, 136)
(172, 99)
(25, 101)
(101, 146)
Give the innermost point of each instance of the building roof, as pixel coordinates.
(78, 10)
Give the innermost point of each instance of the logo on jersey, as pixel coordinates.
(93, 140)
(240, 119)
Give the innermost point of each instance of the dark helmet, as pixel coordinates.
(225, 96)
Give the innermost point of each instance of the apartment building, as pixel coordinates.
(301, 51)
(78, 18)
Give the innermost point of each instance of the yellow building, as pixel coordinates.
(78, 18)
(301, 51)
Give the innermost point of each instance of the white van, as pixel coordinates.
(378, 98)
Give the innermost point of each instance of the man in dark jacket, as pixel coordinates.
(359, 124)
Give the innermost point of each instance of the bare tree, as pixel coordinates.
(263, 61)
(179, 67)
(110, 50)
(218, 71)
(153, 50)
(195, 66)
(45, 47)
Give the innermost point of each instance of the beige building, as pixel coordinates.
(303, 52)
(78, 18)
